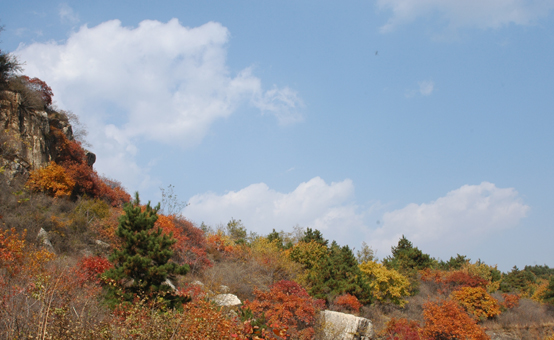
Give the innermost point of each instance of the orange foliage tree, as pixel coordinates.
(448, 320)
(477, 302)
(287, 309)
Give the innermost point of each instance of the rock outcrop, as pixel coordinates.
(26, 142)
(226, 300)
(341, 326)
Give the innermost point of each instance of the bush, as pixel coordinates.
(347, 303)
(286, 309)
(477, 302)
(447, 320)
(402, 329)
(52, 180)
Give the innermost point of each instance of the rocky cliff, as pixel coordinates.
(26, 141)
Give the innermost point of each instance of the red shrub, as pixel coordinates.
(402, 329)
(287, 308)
(510, 300)
(348, 302)
(463, 279)
(90, 268)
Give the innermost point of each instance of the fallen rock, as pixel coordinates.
(42, 238)
(226, 300)
(102, 244)
(342, 326)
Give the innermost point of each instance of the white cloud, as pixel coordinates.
(426, 87)
(453, 223)
(467, 13)
(315, 204)
(159, 81)
(67, 15)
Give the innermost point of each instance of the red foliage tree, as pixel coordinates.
(287, 309)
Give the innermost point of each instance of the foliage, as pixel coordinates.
(477, 302)
(348, 303)
(365, 254)
(143, 260)
(447, 320)
(510, 301)
(543, 272)
(548, 295)
(518, 281)
(236, 231)
(53, 180)
(287, 309)
(454, 262)
(41, 88)
(71, 157)
(406, 257)
(91, 267)
(190, 245)
(9, 66)
(402, 329)
(329, 270)
(386, 285)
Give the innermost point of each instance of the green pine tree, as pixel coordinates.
(142, 264)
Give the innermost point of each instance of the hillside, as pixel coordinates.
(66, 231)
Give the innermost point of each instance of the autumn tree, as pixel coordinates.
(142, 264)
(9, 66)
(386, 285)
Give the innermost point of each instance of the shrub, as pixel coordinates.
(402, 329)
(347, 302)
(447, 320)
(510, 301)
(52, 180)
(91, 267)
(477, 302)
(287, 309)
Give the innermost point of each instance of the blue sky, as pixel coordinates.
(366, 120)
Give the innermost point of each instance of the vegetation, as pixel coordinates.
(104, 273)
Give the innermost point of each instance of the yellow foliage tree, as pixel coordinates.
(309, 255)
(486, 272)
(386, 284)
(52, 179)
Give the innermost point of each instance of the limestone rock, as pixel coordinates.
(102, 244)
(42, 238)
(25, 137)
(341, 326)
(168, 282)
(226, 300)
(224, 289)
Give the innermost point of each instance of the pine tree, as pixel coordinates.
(142, 264)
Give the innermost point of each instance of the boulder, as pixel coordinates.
(226, 300)
(341, 326)
(42, 238)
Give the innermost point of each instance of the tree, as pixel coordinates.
(406, 257)
(9, 66)
(387, 285)
(142, 264)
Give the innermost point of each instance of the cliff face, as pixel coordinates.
(25, 139)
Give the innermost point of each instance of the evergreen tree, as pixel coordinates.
(142, 264)
(406, 257)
